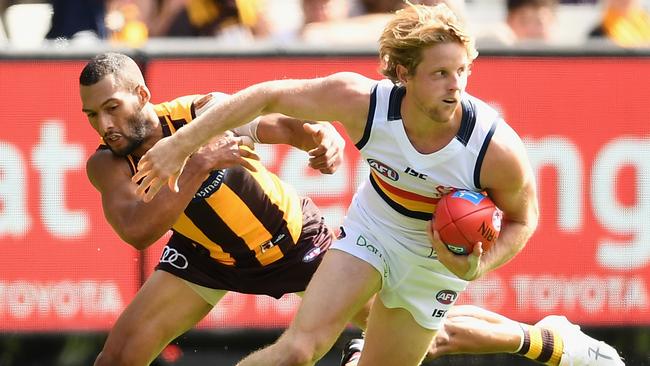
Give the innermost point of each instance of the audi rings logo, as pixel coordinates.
(173, 257)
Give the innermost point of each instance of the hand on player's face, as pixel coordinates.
(463, 266)
(327, 156)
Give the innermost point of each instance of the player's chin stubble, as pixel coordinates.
(138, 131)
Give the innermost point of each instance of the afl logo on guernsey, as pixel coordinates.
(383, 169)
(210, 185)
(446, 297)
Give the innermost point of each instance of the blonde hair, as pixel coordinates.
(416, 27)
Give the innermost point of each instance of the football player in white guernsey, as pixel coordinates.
(422, 136)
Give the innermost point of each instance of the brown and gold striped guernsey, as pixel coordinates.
(244, 219)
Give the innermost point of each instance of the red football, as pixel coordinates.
(463, 218)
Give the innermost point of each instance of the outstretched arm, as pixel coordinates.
(342, 97)
(473, 330)
(320, 140)
(554, 340)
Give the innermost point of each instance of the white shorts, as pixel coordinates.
(411, 279)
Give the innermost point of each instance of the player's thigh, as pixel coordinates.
(164, 308)
(340, 288)
(394, 338)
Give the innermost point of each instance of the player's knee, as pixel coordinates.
(303, 349)
(299, 351)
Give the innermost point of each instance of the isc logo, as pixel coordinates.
(446, 297)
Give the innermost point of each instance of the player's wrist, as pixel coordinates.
(197, 165)
(474, 273)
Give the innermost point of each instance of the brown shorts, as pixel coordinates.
(289, 274)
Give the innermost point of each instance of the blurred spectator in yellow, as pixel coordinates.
(126, 22)
(228, 19)
(119, 21)
(625, 23)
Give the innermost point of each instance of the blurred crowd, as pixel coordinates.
(132, 23)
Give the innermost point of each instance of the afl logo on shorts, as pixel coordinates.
(446, 297)
(311, 254)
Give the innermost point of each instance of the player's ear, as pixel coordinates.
(144, 95)
(402, 74)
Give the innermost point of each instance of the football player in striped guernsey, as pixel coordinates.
(235, 225)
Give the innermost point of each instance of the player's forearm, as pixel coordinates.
(280, 129)
(228, 114)
(512, 239)
(290, 131)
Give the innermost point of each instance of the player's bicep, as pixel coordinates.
(342, 97)
(518, 203)
(111, 177)
(508, 178)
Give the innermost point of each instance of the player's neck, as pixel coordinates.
(427, 135)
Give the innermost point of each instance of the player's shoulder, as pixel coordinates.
(506, 138)
(101, 156)
(504, 135)
(202, 102)
(482, 109)
(506, 159)
(180, 107)
(103, 164)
